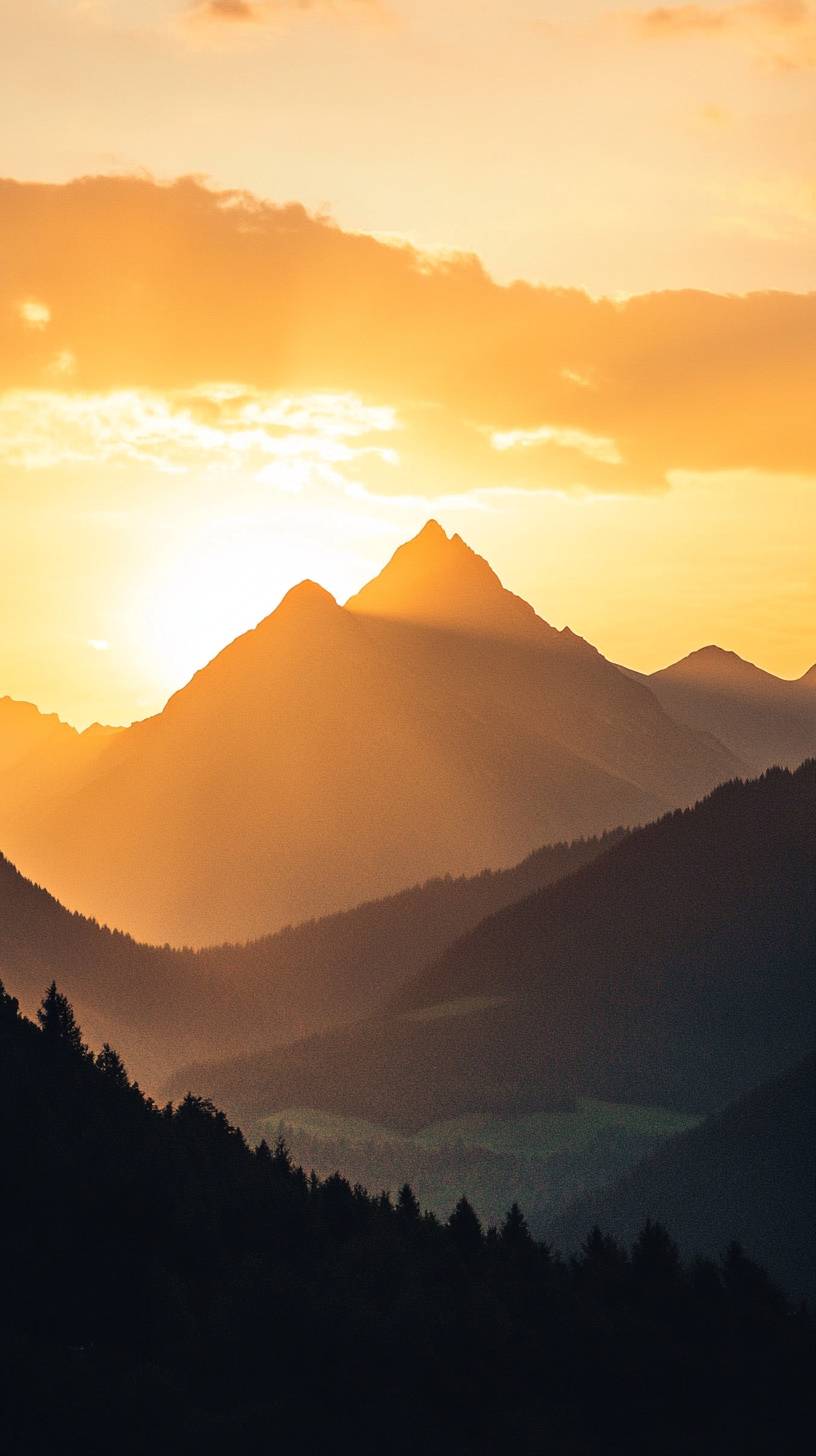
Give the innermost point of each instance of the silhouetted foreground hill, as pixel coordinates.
(761, 718)
(336, 754)
(748, 1173)
(166, 1289)
(675, 971)
(165, 1007)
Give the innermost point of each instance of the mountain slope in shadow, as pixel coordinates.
(747, 1173)
(675, 971)
(761, 718)
(333, 755)
(164, 1007)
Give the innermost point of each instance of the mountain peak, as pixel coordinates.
(711, 664)
(431, 531)
(306, 596)
(439, 581)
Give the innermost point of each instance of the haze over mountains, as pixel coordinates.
(676, 970)
(165, 1007)
(763, 719)
(41, 757)
(335, 754)
(747, 1173)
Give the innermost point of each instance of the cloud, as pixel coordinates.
(257, 12)
(680, 20)
(233, 10)
(282, 441)
(157, 290)
(34, 315)
(780, 31)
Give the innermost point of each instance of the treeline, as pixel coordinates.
(166, 1288)
(490, 1179)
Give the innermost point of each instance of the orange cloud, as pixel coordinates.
(227, 10)
(258, 11)
(160, 289)
(783, 31)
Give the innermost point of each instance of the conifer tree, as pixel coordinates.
(9, 1007)
(58, 1023)
(110, 1064)
(408, 1203)
(465, 1228)
(515, 1235)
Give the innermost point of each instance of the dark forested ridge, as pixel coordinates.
(165, 1006)
(167, 1289)
(748, 1172)
(676, 971)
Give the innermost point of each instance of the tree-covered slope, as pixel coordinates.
(748, 1172)
(677, 970)
(165, 1007)
(167, 1289)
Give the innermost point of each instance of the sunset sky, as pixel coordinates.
(278, 281)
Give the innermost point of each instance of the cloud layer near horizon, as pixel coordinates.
(119, 283)
(253, 12)
(782, 32)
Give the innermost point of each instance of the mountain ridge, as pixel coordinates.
(331, 755)
(166, 1006)
(675, 971)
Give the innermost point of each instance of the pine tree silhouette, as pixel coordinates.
(58, 1023)
(465, 1228)
(9, 1007)
(111, 1065)
(408, 1203)
(515, 1235)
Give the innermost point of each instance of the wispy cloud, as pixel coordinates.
(260, 12)
(233, 10)
(780, 31)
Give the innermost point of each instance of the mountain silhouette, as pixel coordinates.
(40, 757)
(676, 970)
(164, 1007)
(437, 581)
(761, 718)
(746, 1173)
(335, 754)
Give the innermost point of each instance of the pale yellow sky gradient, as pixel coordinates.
(204, 398)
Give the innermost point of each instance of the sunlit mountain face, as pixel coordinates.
(434, 724)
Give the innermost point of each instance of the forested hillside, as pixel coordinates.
(748, 1172)
(675, 971)
(167, 1288)
(165, 1007)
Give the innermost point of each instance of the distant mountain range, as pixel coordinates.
(435, 724)
(762, 719)
(164, 1007)
(676, 970)
(41, 759)
(747, 1173)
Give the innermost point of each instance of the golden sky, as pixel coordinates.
(211, 388)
